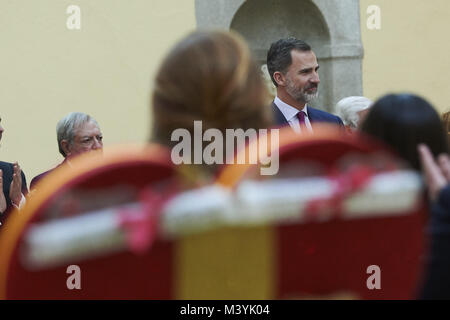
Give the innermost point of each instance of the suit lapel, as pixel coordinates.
(278, 116)
(312, 115)
(318, 116)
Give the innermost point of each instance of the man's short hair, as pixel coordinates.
(347, 109)
(65, 129)
(279, 55)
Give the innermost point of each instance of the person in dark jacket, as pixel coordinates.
(436, 280)
(294, 71)
(13, 184)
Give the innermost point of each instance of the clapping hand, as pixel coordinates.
(15, 190)
(437, 174)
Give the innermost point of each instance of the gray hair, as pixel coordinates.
(347, 109)
(65, 129)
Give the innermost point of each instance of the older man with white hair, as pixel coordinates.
(76, 133)
(353, 110)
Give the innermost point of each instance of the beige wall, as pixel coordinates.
(411, 50)
(105, 69)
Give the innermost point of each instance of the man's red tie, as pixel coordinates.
(301, 120)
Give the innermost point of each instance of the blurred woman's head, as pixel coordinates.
(402, 121)
(209, 76)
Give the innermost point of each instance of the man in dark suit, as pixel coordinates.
(293, 68)
(13, 184)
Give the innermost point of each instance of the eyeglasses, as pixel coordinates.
(89, 141)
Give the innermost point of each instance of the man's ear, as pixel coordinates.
(279, 78)
(65, 145)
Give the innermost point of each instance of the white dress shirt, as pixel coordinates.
(290, 113)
